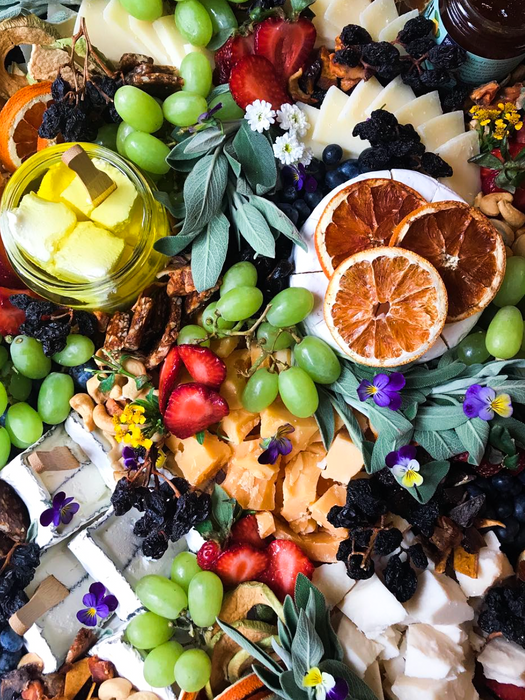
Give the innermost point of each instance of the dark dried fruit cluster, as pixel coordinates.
(504, 611)
(395, 145)
(51, 324)
(167, 516)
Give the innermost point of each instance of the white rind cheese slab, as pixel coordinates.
(145, 33)
(312, 114)
(392, 97)
(93, 444)
(339, 13)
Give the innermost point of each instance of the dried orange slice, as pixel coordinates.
(20, 120)
(385, 306)
(362, 216)
(464, 247)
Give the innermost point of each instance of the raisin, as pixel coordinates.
(400, 578)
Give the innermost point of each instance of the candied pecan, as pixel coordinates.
(169, 336)
(34, 691)
(101, 670)
(117, 331)
(156, 80)
(142, 311)
(129, 61)
(349, 75)
(485, 94)
(54, 682)
(180, 282)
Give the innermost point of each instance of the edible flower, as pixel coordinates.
(498, 121)
(277, 445)
(132, 457)
(260, 115)
(62, 511)
(405, 466)
(297, 176)
(97, 603)
(292, 119)
(483, 402)
(326, 686)
(384, 390)
(288, 149)
(127, 427)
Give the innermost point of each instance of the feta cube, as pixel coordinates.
(394, 668)
(454, 632)
(333, 582)
(438, 601)
(431, 654)
(390, 640)
(373, 680)
(359, 652)
(493, 566)
(408, 688)
(503, 661)
(372, 607)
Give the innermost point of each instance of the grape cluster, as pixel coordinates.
(166, 516)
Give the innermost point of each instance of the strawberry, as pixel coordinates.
(515, 176)
(245, 530)
(11, 318)
(227, 56)
(193, 407)
(208, 555)
(287, 560)
(169, 374)
(285, 44)
(254, 78)
(203, 365)
(240, 563)
(505, 691)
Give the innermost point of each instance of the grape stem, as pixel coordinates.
(251, 330)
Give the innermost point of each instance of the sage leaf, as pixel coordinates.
(219, 90)
(176, 208)
(223, 509)
(256, 157)
(257, 653)
(254, 229)
(231, 156)
(173, 245)
(278, 220)
(208, 253)
(433, 417)
(440, 444)
(347, 384)
(515, 427)
(204, 141)
(219, 39)
(422, 377)
(291, 617)
(474, 435)
(269, 678)
(350, 421)
(299, 5)
(291, 688)
(178, 153)
(387, 441)
(324, 417)
(203, 191)
(307, 649)
(282, 653)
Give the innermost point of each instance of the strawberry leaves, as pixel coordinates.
(511, 170)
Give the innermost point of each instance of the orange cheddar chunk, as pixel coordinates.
(251, 483)
(232, 387)
(225, 346)
(284, 356)
(238, 424)
(305, 432)
(344, 460)
(198, 463)
(246, 457)
(335, 496)
(265, 523)
(320, 546)
(300, 487)
(304, 525)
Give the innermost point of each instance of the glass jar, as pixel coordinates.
(136, 269)
(491, 31)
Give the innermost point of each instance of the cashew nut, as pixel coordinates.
(520, 232)
(507, 232)
(490, 202)
(519, 246)
(514, 217)
(134, 366)
(477, 200)
(130, 391)
(103, 420)
(115, 689)
(145, 695)
(92, 386)
(84, 405)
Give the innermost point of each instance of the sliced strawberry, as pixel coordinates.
(240, 563)
(227, 56)
(193, 407)
(11, 318)
(169, 375)
(287, 45)
(245, 530)
(254, 78)
(505, 691)
(208, 555)
(287, 560)
(203, 365)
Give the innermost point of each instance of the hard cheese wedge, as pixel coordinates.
(173, 44)
(439, 130)
(88, 253)
(342, 12)
(378, 15)
(390, 32)
(108, 37)
(420, 110)
(326, 30)
(394, 96)
(117, 22)
(354, 112)
(333, 105)
(312, 114)
(466, 178)
(146, 34)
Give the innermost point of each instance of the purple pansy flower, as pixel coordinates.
(297, 176)
(384, 390)
(97, 603)
(133, 457)
(277, 445)
(483, 402)
(405, 466)
(62, 511)
(326, 686)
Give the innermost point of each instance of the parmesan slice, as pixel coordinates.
(377, 16)
(439, 130)
(420, 110)
(333, 104)
(342, 12)
(394, 96)
(312, 114)
(466, 180)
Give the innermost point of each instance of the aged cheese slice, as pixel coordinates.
(394, 96)
(170, 39)
(390, 32)
(420, 110)
(344, 460)
(343, 12)
(300, 486)
(109, 38)
(326, 30)
(145, 33)
(439, 130)
(335, 496)
(117, 26)
(333, 104)
(353, 112)
(312, 114)
(378, 15)
(466, 179)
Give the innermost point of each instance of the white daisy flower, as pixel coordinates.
(307, 157)
(293, 119)
(288, 149)
(260, 115)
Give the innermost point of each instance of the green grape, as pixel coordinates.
(241, 302)
(3, 399)
(147, 630)
(184, 568)
(54, 396)
(79, 349)
(260, 391)
(24, 425)
(505, 333)
(290, 306)
(137, 108)
(123, 131)
(107, 136)
(298, 392)
(193, 22)
(473, 349)
(28, 357)
(161, 596)
(4, 355)
(242, 274)
(193, 335)
(5, 447)
(146, 10)
(148, 152)
(205, 595)
(209, 318)
(159, 664)
(317, 359)
(17, 386)
(221, 15)
(196, 71)
(184, 108)
(512, 289)
(273, 338)
(193, 668)
(230, 110)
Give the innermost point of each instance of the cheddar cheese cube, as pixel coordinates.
(305, 429)
(265, 523)
(225, 346)
(335, 496)
(300, 486)
(319, 546)
(344, 460)
(250, 483)
(303, 525)
(238, 424)
(198, 463)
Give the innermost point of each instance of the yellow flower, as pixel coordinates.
(313, 678)
(502, 405)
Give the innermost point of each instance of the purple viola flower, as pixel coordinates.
(62, 511)
(297, 176)
(405, 466)
(483, 402)
(132, 457)
(98, 604)
(384, 390)
(277, 445)
(325, 685)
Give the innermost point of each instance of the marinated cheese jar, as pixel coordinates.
(491, 31)
(138, 263)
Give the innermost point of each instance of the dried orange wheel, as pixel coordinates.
(463, 246)
(385, 306)
(362, 216)
(20, 120)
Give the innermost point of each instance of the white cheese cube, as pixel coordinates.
(420, 110)
(492, 541)
(431, 654)
(359, 652)
(118, 30)
(438, 601)
(390, 640)
(454, 632)
(394, 96)
(378, 15)
(394, 668)
(144, 32)
(466, 179)
(493, 566)
(390, 32)
(343, 12)
(409, 688)
(333, 104)
(373, 680)
(312, 114)
(439, 130)
(503, 661)
(333, 582)
(372, 607)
